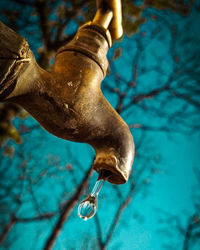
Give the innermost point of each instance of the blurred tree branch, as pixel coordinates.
(47, 24)
(54, 18)
(186, 224)
(69, 205)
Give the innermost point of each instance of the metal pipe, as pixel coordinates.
(115, 27)
(103, 17)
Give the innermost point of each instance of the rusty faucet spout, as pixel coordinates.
(68, 101)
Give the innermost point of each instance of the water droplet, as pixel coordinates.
(88, 207)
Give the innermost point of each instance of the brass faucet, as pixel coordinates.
(68, 101)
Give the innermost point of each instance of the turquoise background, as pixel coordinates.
(166, 168)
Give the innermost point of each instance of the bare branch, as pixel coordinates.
(120, 210)
(66, 211)
(7, 229)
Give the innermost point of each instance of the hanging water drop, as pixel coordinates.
(88, 207)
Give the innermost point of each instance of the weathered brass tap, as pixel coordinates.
(68, 101)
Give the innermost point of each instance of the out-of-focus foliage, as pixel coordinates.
(7, 130)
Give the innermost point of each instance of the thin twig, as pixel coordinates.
(66, 212)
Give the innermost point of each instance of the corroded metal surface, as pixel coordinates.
(68, 101)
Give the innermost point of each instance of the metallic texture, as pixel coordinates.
(115, 26)
(103, 17)
(68, 101)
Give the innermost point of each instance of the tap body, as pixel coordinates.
(68, 101)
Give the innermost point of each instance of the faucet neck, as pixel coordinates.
(93, 41)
